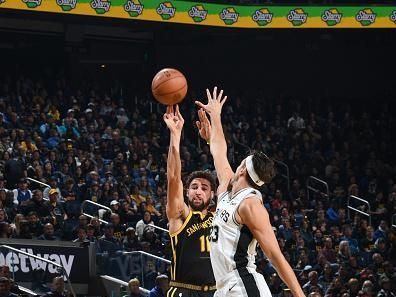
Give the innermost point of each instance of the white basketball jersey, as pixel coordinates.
(232, 246)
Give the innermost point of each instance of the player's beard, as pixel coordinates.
(200, 207)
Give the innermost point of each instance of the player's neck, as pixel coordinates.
(239, 185)
(203, 211)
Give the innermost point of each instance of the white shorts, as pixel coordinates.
(246, 283)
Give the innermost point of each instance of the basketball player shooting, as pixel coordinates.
(241, 220)
(189, 225)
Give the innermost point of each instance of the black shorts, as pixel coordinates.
(181, 292)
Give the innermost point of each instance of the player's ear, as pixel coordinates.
(243, 171)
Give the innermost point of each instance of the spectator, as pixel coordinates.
(82, 237)
(48, 233)
(295, 122)
(57, 288)
(130, 242)
(91, 233)
(353, 287)
(115, 206)
(326, 277)
(386, 286)
(368, 288)
(5, 272)
(352, 242)
(161, 286)
(143, 224)
(36, 204)
(285, 230)
(382, 230)
(312, 281)
(368, 239)
(35, 226)
(56, 210)
(119, 229)
(108, 243)
(5, 230)
(14, 171)
(151, 208)
(22, 194)
(16, 225)
(5, 287)
(128, 213)
(380, 247)
(328, 251)
(53, 189)
(134, 288)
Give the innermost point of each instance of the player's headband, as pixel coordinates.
(252, 173)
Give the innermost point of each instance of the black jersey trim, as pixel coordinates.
(241, 261)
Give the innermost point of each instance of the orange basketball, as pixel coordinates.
(169, 86)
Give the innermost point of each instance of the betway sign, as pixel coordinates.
(25, 263)
(24, 266)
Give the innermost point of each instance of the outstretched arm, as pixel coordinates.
(253, 214)
(175, 206)
(218, 145)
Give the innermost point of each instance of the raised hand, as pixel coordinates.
(203, 125)
(173, 119)
(215, 102)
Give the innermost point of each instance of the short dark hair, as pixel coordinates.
(202, 174)
(159, 278)
(264, 167)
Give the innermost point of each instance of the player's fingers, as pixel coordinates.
(220, 95)
(166, 116)
(200, 114)
(224, 100)
(208, 95)
(198, 123)
(200, 104)
(203, 114)
(215, 93)
(204, 117)
(179, 115)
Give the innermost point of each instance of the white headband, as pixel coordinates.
(252, 173)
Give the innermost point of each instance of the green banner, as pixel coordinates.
(209, 14)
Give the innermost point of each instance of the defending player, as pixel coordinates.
(241, 219)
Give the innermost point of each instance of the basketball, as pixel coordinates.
(169, 86)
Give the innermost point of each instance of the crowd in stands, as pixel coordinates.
(111, 150)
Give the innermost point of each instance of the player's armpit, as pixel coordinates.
(175, 206)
